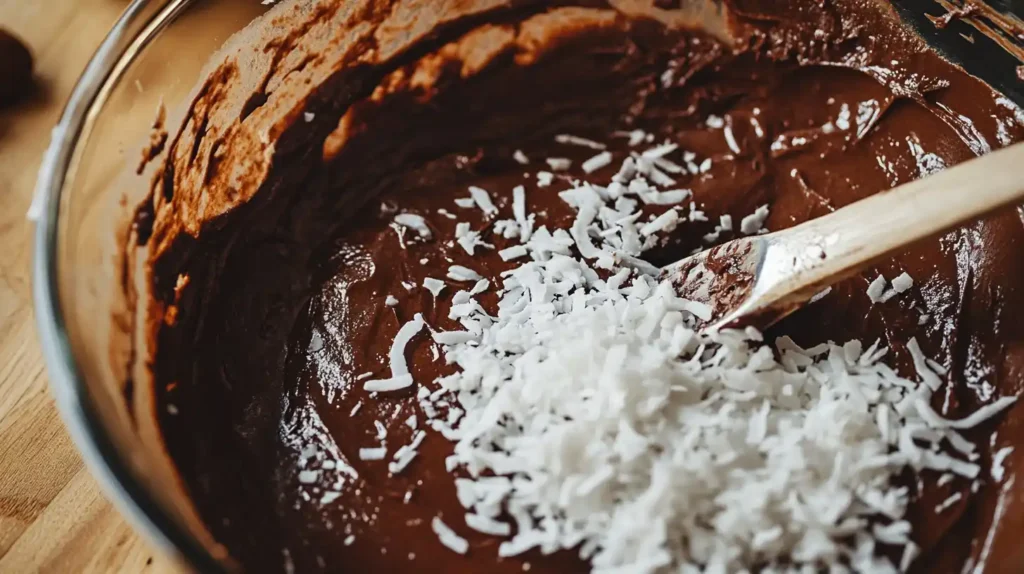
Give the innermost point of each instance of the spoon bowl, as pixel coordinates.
(757, 280)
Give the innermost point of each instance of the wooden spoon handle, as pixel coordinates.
(873, 228)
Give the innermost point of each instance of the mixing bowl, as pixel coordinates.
(88, 183)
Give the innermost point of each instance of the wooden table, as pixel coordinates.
(53, 517)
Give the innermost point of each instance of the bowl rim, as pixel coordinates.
(77, 407)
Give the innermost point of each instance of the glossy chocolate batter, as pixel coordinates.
(271, 247)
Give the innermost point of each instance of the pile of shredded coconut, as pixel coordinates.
(588, 413)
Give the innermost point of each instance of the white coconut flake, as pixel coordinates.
(945, 504)
(580, 232)
(376, 453)
(669, 197)
(395, 383)
(400, 376)
(435, 286)
(636, 137)
(448, 537)
(558, 163)
(730, 139)
(902, 282)
(997, 470)
(468, 239)
(663, 223)
(483, 200)
(876, 289)
(479, 287)
(578, 141)
(415, 222)
(402, 457)
(754, 222)
(599, 161)
(514, 252)
(460, 273)
(520, 157)
(488, 525)
(519, 204)
(972, 420)
(910, 552)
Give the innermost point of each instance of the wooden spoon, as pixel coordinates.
(757, 280)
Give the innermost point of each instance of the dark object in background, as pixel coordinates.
(985, 37)
(15, 69)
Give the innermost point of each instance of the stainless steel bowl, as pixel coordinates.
(154, 53)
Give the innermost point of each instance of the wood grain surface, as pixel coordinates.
(53, 517)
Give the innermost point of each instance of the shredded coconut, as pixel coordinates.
(576, 140)
(902, 282)
(514, 252)
(664, 222)
(448, 537)
(460, 273)
(488, 525)
(483, 200)
(754, 222)
(415, 222)
(376, 453)
(945, 504)
(468, 239)
(588, 413)
(998, 458)
(435, 286)
(400, 376)
(876, 289)
(636, 137)
(558, 163)
(597, 162)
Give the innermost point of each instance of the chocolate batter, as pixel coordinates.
(271, 244)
